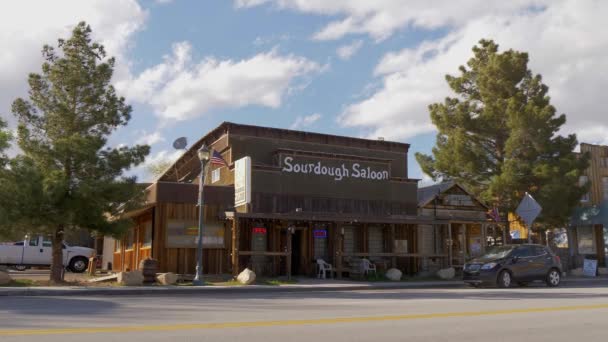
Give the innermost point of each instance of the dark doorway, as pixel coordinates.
(296, 252)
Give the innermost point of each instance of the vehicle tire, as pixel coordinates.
(554, 278)
(78, 264)
(20, 268)
(523, 284)
(504, 279)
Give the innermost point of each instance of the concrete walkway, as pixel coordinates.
(304, 284)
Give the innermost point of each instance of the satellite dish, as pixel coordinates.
(180, 143)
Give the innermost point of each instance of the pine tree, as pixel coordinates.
(67, 178)
(499, 137)
(5, 138)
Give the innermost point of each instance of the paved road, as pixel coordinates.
(524, 314)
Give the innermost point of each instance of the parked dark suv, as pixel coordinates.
(505, 265)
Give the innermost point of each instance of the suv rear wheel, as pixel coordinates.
(553, 278)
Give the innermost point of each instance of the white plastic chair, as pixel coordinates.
(368, 267)
(322, 269)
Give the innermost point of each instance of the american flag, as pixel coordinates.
(216, 159)
(494, 214)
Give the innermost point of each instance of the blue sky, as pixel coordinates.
(347, 67)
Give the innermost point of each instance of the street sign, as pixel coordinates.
(528, 209)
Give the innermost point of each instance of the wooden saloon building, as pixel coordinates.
(286, 199)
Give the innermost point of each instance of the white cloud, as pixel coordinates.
(25, 26)
(345, 52)
(566, 42)
(180, 88)
(271, 40)
(154, 159)
(305, 121)
(382, 18)
(426, 181)
(149, 138)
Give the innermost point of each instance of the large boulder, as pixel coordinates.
(394, 274)
(247, 277)
(167, 278)
(5, 278)
(447, 273)
(133, 278)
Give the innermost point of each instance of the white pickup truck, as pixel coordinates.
(37, 251)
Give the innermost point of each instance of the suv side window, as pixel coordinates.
(522, 252)
(539, 251)
(33, 242)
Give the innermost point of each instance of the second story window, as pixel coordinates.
(582, 181)
(215, 176)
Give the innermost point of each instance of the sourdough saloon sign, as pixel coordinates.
(337, 170)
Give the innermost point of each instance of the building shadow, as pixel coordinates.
(56, 306)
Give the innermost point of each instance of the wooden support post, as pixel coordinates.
(288, 261)
(235, 247)
(484, 239)
(450, 244)
(393, 258)
(339, 250)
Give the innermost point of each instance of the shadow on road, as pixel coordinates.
(464, 294)
(56, 306)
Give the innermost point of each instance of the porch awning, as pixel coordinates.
(590, 215)
(333, 217)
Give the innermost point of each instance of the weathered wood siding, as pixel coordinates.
(598, 169)
(183, 260)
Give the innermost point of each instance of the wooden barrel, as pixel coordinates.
(149, 268)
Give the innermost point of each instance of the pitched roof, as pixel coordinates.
(427, 193)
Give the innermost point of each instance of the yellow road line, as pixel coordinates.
(174, 327)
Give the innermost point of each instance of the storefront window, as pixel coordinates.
(130, 239)
(560, 237)
(605, 231)
(320, 237)
(349, 240)
(375, 240)
(474, 240)
(147, 231)
(586, 240)
(582, 181)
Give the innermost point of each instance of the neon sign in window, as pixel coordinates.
(259, 230)
(319, 233)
